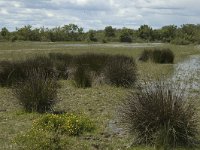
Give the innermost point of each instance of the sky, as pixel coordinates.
(96, 14)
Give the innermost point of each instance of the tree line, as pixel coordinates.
(185, 34)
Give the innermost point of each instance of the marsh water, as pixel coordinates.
(127, 45)
(187, 72)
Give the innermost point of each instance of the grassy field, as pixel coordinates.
(100, 102)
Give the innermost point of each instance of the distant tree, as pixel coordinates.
(168, 33)
(45, 34)
(109, 31)
(187, 34)
(57, 34)
(92, 36)
(35, 35)
(24, 33)
(1, 37)
(145, 32)
(72, 32)
(157, 35)
(5, 33)
(126, 35)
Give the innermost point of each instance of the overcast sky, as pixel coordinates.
(96, 14)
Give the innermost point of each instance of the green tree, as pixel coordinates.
(109, 31)
(92, 36)
(126, 35)
(72, 32)
(5, 33)
(145, 32)
(168, 33)
(24, 33)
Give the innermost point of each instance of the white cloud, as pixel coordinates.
(97, 14)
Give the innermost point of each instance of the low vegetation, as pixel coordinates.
(121, 71)
(158, 113)
(15, 71)
(82, 77)
(163, 56)
(52, 132)
(37, 93)
(43, 86)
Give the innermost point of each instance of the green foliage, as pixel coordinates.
(126, 35)
(37, 93)
(72, 32)
(109, 31)
(158, 113)
(38, 139)
(91, 36)
(121, 71)
(5, 33)
(104, 41)
(168, 33)
(51, 132)
(24, 33)
(185, 34)
(13, 38)
(145, 32)
(69, 124)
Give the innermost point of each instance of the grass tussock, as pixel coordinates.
(82, 77)
(162, 56)
(38, 93)
(14, 72)
(118, 70)
(121, 71)
(158, 113)
(95, 62)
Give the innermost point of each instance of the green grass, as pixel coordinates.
(99, 102)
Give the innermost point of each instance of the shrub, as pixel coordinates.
(121, 71)
(167, 56)
(162, 56)
(69, 124)
(50, 132)
(146, 55)
(104, 41)
(82, 77)
(156, 55)
(37, 93)
(159, 113)
(126, 35)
